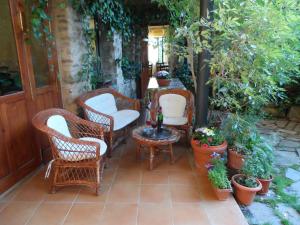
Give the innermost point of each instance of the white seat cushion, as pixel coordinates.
(59, 124)
(103, 145)
(172, 105)
(175, 121)
(80, 152)
(124, 117)
(104, 103)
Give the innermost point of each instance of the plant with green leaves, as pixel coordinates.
(218, 174)
(240, 132)
(260, 164)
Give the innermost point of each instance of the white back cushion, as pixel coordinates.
(104, 103)
(59, 124)
(172, 105)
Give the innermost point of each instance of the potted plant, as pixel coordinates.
(217, 174)
(163, 78)
(205, 142)
(259, 165)
(245, 188)
(241, 134)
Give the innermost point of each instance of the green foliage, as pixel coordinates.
(240, 132)
(40, 19)
(247, 181)
(183, 73)
(260, 163)
(111, 13)
(255, 50)
(218, 174)
(208, 136)
(131, 69)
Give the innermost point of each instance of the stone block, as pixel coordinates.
(294, 113)
(289, 144)
(263, 214)
(286, 158)
(289, 213)
(292, 174)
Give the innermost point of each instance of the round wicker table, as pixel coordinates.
(154, 145)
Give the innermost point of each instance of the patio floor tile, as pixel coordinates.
(130, 194)
(153, 214)
(50, 214)
(16, 213)
(155, 194)
(117, 214)
(84, 213)
(124, 193)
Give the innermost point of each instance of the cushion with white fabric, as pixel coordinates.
(104, 103)
(75, 152)
(124, 117)
(173, 105)
(59, 124)
(177, 121)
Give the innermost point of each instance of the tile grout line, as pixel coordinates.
(139, 196)
(171, 200)
(108, 192)
(35, 210)
(71, 207)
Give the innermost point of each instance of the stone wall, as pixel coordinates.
(70, 48)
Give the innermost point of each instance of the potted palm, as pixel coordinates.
(259, 165)
(205, 142)
(217, 174)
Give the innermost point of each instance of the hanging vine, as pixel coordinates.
(111, 13)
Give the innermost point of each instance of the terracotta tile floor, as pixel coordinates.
(130, 195)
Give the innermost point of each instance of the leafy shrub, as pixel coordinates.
(260, 163)
(218, 174)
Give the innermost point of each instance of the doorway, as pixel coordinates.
(28, 84)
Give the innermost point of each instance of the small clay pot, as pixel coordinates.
(163, 82)
(235, 159)
(222, 194)
(265, 185)
(202, 155)
(244, 195)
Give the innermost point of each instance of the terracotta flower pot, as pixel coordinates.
(202, 154)
(244, 195)
(235, 159)
(265, 185)
(163, 82)
(222, 194)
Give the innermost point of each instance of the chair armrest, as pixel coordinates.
(135, 102)
(104, 120)
(84, 128)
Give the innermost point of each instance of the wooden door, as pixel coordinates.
(22, 93)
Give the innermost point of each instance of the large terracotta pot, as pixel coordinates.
(202, 155)
(265, 185)
(235, 159)
(244, 195)
(163, 82)
(222, 194)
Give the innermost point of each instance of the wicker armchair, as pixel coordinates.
(177, 107)
(112, 110)
(77, 147)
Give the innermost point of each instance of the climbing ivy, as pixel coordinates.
(111, 13)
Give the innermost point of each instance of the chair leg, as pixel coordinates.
(110, 147)
(53, 189)
(171, 153)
